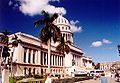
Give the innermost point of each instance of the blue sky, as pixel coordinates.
(97, 21)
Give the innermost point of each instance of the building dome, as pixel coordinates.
(64, 27)
(61, 20)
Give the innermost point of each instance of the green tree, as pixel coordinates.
(5, 40)
(14, 44)
(63, 46)
(48, 32)
(97, 66)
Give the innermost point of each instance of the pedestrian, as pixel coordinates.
(48, 78)
(103, 79)
(117, 76)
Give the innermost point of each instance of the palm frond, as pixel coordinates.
(4, 39)
(54, 17)
(45, 34)
(6, 33)
(45, 14)
(67, 49)
(15, 37)
(60, 48)
(63, 46)
(39, 22)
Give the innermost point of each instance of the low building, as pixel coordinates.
(110, 66)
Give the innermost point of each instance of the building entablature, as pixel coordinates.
(27, 38)
(77, 50)
(87, 58)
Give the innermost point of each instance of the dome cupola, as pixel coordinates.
(65, 27)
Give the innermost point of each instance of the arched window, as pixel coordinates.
(25, 69)
(62, 28)
(34, 71)
(66, 37)
(69, 27)
(65, 21)
(29, 71)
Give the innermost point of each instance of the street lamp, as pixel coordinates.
(119, 49)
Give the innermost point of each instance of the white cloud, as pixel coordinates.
(74, 27)
(35, 7)
(10, 3)
(106, 41)
(100, 43)
(96, 44)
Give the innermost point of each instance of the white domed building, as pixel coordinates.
(30, 57)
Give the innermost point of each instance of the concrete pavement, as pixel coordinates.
(110, 80)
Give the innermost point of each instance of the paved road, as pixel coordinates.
(110, 80)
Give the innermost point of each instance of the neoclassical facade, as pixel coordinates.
(31, 56)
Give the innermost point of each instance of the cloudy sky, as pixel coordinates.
(95, 23)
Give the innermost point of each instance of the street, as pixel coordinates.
(110, 80)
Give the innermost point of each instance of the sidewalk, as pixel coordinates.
(110, 80)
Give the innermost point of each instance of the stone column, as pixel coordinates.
(59, 60)
(39, 57)
(18, 53)
(36, 57)
(46, 59)
(54, 60)
(81, 62)
(31, 56)
(27, 55)
(43, 57)
(5, 75)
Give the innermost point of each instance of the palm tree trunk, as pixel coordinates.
(49, 53)
(1, 60)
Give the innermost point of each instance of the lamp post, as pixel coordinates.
(119, 49)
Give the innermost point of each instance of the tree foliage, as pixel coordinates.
(49, 30)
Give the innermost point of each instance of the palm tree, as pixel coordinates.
(63, 48)
(48, 32)
(14, 44)
(97, 66)
(4, 39)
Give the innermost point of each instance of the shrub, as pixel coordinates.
(57, 75)
(19, 78)
(36, 76)
(80, 75)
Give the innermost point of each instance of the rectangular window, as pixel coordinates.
(41, 58)
(53, 59)
(29, 56)
(44, 58)
(34, 56)
(25, 51)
